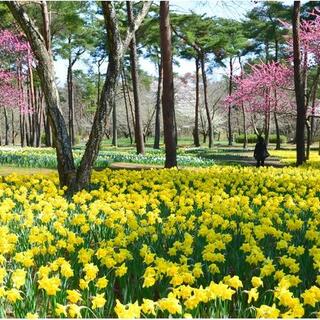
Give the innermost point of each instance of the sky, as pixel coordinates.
(227, 9)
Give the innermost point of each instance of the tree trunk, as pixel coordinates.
(6, 126)
(266, 126)
(70, 96)
(26, 122)
(38, 117)
(66, 166)
(12, 128)
(267, 50)
(126, 106)
(99, 80)
(107, 96)
(204, 130)
(157, 131)
(47, 131)
(308, 139)
(31, 104)
(114, 126)
(31, 133)
(168, 92)
(244, 122)
(204, 80)
(46, 32)
(298, 85)
(129, 100)
(22, 136)
(229, 106)
(278, 142)
(313, 103)
(196, 139)
(135, 83)
(116, 52)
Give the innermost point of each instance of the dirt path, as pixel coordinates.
(134, 166)
(242, 161)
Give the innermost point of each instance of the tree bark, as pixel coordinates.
(244, 123)
(100, 61)
(12, 128)
(47, 131)
(168, 92)
(196, 139)
(21, 97)
(46, 32)
(157, 131)
(308, 139)
(204, 80)
(126, 107)
(244, 120)
(22, 136)
(278, 140)
(6, 126)
(39, 118)
(229, 106)
(114, 126)
(313, 103)
(32, 104)
(129, 100)
(267, 115)
(70, 94)
(135, 84)
(298, 85)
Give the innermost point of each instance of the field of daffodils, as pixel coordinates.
(210, 242)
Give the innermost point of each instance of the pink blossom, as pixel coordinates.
(266, 88)
(18, 49)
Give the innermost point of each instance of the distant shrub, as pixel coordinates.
(252, 138)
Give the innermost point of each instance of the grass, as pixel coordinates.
(7, 170)
(188, 155)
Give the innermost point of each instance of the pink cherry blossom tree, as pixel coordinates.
(17, 53)
(266, 89)
(15, 65)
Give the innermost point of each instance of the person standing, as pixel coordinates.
(260, 152)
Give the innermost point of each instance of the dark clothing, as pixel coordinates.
(260, 163)
(260, 153)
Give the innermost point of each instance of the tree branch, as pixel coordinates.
(77, 55)
(191, 44)
(137, 21)
(26, 23)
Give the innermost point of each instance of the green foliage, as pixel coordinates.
(200, 31)
(46, 158)
(87, 90)
(263, 25)
(6, 19)
(252, 138)
(236, 43)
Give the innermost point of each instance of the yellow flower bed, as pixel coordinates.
(288, 157)
(214, 242)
